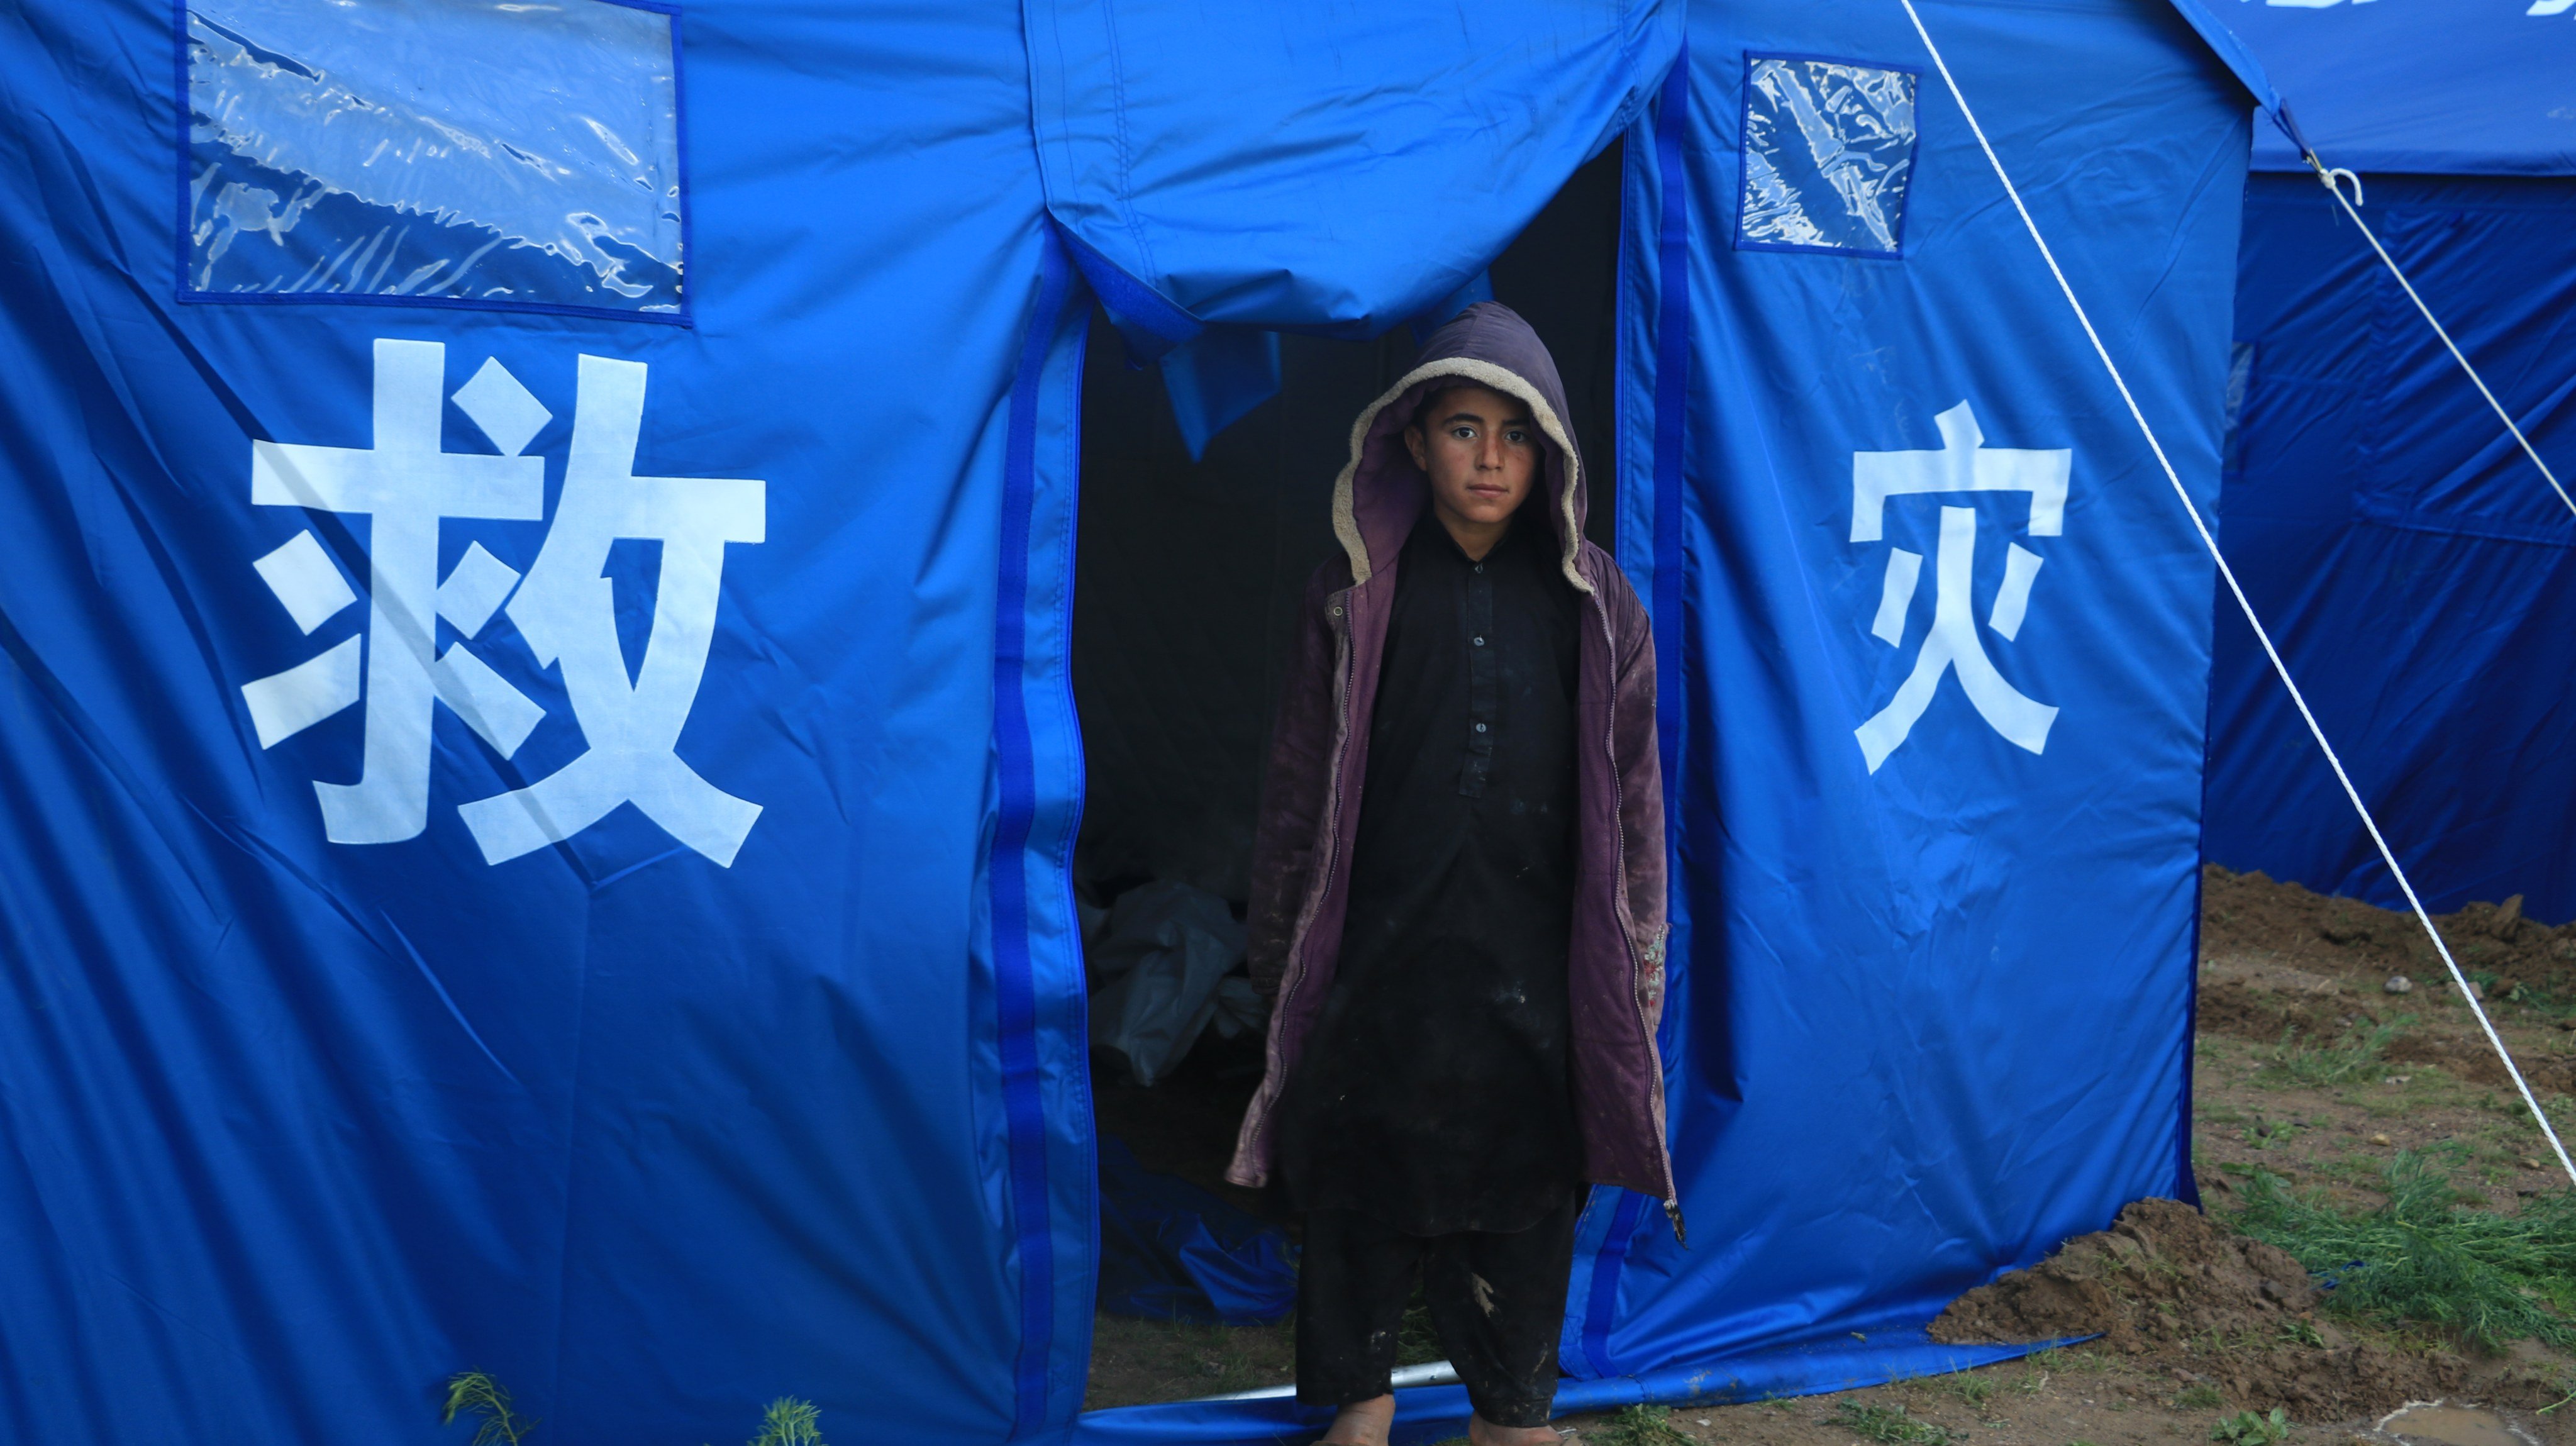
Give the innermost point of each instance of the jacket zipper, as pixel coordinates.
(1332, 831)
(1619, 842)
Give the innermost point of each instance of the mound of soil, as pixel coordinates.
(2170, 1285)
(2281, 960)
(2253, 914)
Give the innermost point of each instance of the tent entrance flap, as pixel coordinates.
(1187, 575)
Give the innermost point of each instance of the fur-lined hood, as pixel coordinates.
(1380, 493)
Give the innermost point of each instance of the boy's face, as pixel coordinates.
(1480, 451)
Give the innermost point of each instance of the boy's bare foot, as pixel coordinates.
(1364, 1424)
(1481, 1432)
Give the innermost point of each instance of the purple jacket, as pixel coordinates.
(1310, 805)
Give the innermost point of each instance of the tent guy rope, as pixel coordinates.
(2210, 541)
(2330, 178)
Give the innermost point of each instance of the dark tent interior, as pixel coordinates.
(1188, 576)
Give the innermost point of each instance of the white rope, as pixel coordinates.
(2329, 177)
(2229, 574)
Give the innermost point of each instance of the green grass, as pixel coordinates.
(1970, 1387)
(1416, 1342)
(2546, 1003)
(1642, 1426)
(475, 1395)
(2246, 1428)
(2353, 1056)
(2265, 1134)
(2421, 1260)
(789, 1422)
(2198, 1396)
(483, 1400)
(2567, 1383)
(1891, 1426)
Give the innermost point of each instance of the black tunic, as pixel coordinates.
(1433, 1093)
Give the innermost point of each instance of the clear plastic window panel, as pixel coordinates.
(495, 152)
(1828, 154)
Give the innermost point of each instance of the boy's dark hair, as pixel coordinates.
(1431, 401)
(1422, 413)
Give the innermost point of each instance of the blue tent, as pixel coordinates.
(538, 762)
(2416, 569)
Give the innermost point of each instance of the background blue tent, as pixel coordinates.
(2415, 568)
(538, 765)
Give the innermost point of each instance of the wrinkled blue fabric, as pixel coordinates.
(2414, 567)
(657, 1126)
(297, 1129)
(1216, 377)
(2484, 89)
(1933, 1018)
(2242, 62)
(1263, 166)
(1479, 287)
(1172, 1251)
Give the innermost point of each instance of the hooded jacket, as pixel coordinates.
(1310, 804)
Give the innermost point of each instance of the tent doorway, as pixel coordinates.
(1188, 574)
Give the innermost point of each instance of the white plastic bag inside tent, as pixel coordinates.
(1163, 966)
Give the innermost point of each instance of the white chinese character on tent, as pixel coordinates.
(406, 487)
(1963, 464)
(568, 611)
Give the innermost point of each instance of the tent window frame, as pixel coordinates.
(1744, 145)
(184, 220)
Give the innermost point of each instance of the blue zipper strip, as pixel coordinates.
(1672, 392)
(1015, 985)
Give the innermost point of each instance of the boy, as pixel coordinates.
(1458, 894)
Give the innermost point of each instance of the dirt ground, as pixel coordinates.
(2308, 1068)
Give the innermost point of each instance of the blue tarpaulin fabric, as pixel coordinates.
(2415, 569)
(1216, 377)
(1439, 1413)
(2471, 87)
(1171, 1251)
(2203, 16)
(1891, 871)
(2407, 558)
(1218, 155)
(539, 773)
(299, 1127)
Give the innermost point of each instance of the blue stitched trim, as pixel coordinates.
(1148, 320)
(433, 303)
(1672, 382)
(1672, 397)
(1015, 988)
(1601, 1303)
